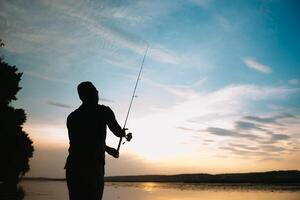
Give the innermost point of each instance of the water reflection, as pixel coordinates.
(149, 187)
(46, 190)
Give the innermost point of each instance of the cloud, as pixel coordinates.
(63, 105)
(261, 119)
(277, 137)
(242, 125)
(47, 78)
(273, 138)
(58, 104)
(253, 64)
(201, 3)
(216, 115)
(272, 148)
(179, 91)
(269, 120)
(262, 154)
(90, 22)
(262, 142)
(243, 146)
(247, 153)
(268, 148)
(248, 126)
(294, 81)
(230, 133)
(139, 13)
(144, 13)
(253, 131)
(258, 151)
(225, 23)
(185, 129)
(106, 100)
(118, 37)
(231, 94)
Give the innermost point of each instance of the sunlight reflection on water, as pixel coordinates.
(46, 190)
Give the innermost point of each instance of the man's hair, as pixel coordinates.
(85, 90)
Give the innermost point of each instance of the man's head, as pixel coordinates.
(88, 93)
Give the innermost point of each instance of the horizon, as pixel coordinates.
(219, 92)
(203, 173)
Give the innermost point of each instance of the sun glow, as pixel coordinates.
(149, 187)
(48, 135)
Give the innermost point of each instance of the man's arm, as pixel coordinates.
(113, 124)
(112, 151)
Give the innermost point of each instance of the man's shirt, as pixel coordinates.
(87, 133)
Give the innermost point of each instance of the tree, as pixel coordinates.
(15, 145)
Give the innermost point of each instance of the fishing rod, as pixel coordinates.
(129, 135)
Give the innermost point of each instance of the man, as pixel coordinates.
(87, 133)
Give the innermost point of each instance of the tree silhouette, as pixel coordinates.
(15, 146)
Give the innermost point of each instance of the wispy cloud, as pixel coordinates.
(202, 3)
(185, 129)
(106, 100)
(225, 23)
(46, 78)
(218, 112)
(272, 148)
(138, 13)
(278, 137)
(269, 120)
(242, 125)
(253, 64)
(294, 81)
(121, 39)
(230, 133)
(241, 152)
(58, 104)
(254, 131)
(63, 105)
(260, 152)
(143, 12)
(181, 91)
(256, 139)
(243, 146)
(202, 106)
(246, 154)
(36, 37)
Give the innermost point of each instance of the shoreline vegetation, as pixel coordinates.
(270, 177)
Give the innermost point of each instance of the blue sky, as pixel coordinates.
(221, 80)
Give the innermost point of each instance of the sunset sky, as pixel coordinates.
(220, 90)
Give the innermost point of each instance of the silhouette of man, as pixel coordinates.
(87, 133)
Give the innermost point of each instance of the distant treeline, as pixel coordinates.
(292, 176)
(271, 177)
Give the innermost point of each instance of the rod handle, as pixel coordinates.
(120, 142)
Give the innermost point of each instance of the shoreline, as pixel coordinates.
(271, 177)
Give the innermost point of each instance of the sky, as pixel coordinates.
(219, 92)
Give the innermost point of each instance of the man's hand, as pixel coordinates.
(124, 132)
(128, 137)
(112, 151)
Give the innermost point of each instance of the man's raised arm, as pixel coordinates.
(113, 125)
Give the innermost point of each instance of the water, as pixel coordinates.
(57, 190)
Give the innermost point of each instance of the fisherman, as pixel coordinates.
(87, 133)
